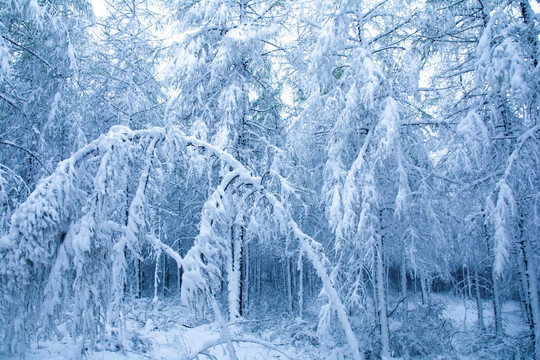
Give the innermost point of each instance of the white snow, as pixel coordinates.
(163, 331)
(464, 313)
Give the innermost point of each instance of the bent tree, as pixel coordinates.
(66, 254)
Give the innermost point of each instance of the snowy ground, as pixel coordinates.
(471, 344)
(165, 331)
(464, 314)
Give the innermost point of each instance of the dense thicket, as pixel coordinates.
(353, 156)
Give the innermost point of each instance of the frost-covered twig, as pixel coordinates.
(240, 340)
(31, 153)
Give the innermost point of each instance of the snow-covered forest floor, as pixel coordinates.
(166, 330)
(471, 344)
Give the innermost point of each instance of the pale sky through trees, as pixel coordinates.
(99, 7)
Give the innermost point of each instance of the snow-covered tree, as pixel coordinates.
(358, 99)
(75, 229)
(493, 80)
(123, 67)
(388, 143)
(225, 91)
(38, 83)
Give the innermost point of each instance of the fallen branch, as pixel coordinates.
(238, 340)
(395, 307)
(390, 314)
(136, 353)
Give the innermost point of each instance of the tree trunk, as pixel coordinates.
(524, 297)
(469, 283)
(300, 286)
(258, 279)
(166, 277)
(424, 288)
(156, 277)
(495, 289)
(528, 16)
(375, 298)
(179, 271)
(234, 269)
(478, 301)
(381, 295)
(531, 292)
(289, 284)
(246, 278)
(496, 303)
(139, 278)
(404, 285)
(319, 263)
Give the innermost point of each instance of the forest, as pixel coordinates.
(269, 179)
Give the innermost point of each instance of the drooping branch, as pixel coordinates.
(22, 47)
(308, 245)
(31, 153)
(238, 174)
(512, 159)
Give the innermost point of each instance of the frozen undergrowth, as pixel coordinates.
(166, 330)
(470, 343)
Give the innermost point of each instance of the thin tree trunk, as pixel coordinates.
(465, 297)
(259, 277)
(424, 288)
(166, 277)
(495, 289)
(469, 283)
(387, 284)
(496, 303)
(478, 301)
(239, 255)
(300, 286)
(233, 275)
(289, 284)
(246, 279)
(179, 269)
(139, 278)
(375, 298)
(294, 279)
(318, 260)
(532, 294)
(156, 277)
(381, 294)
(179, 272)
(524, 297)
(404, 285)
